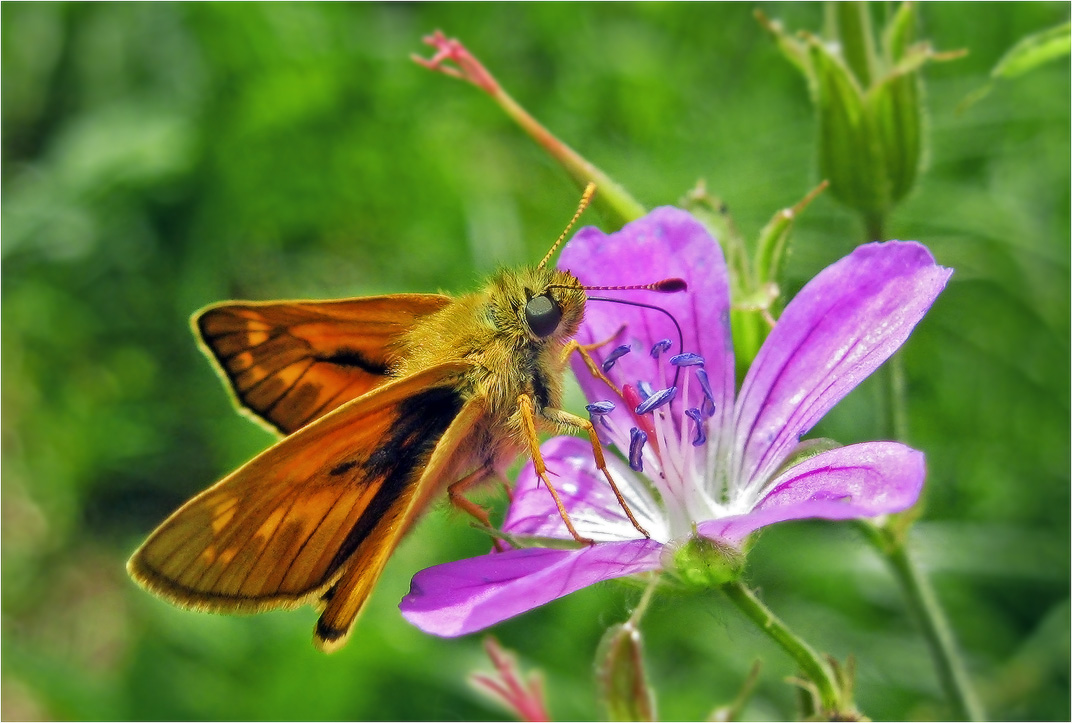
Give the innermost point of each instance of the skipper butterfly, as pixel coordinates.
(383, 401)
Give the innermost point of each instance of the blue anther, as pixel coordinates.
(598, 409)
(615, 356)
(637, 439)
(708, 406)
(660, 347)
(688, 359)
(656, 400)
(694, 414)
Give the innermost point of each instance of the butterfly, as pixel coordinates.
(384, 401)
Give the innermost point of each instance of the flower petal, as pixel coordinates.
(841, 326)
(469, 595)
(860, 480)
(592, 506)
(667, 243)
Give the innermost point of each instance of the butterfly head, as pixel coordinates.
(539, 305)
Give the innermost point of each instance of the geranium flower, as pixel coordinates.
(698, 464)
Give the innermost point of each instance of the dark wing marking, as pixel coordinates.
(291, 363)
(280, 530)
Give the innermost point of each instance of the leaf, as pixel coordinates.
(1034, 50)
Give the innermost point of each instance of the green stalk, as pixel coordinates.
(897, 397)
(812, 665)
(924, 605)
(889, 539)
(611, 197)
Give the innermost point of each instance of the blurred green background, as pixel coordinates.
(159, 157)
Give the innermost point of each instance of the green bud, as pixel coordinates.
(868, 102)
(627, 696)
(704, 563)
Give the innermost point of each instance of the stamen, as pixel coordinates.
(644, 389)
(708, 406)
(600, 410)
(636, 449)
(633, 399)
(701, 436)
(688, 359)
(660, 347)
(615, 356)
(656, 400)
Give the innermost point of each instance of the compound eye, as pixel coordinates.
(543, 315)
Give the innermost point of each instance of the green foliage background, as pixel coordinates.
(159, 157)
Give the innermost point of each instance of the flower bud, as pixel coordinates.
(868, 102)
(627, 696)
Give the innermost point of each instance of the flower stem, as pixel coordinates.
(889, 538)
(896, 397)
(928, 612)
(811, 663)
(612, 198)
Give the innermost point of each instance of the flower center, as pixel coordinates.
(667, 438)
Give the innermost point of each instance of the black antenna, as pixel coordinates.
(680, 336)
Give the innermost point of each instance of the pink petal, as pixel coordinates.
(469, 595)
(588, 498)
(667, 243)
(861, 480)
(841, 327)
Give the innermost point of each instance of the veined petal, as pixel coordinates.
(589, 500)
(860, 480)
(469, 595)
(841, 327)
(667, 243)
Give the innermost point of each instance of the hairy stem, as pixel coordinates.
(812, 665)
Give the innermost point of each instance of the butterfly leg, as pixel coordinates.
(528, 421)
(584, 350)
(562, 417)
(455, 492)
(456, 495)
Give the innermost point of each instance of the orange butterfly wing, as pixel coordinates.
(282, 529)
(293, 362)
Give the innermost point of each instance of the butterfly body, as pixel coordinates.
(384, 401)
(507, 357)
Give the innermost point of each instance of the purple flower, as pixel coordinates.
(698, 461)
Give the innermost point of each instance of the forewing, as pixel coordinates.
(291, 363)
(279, 530)
(345, 599)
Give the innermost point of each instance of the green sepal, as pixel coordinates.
(850, 154)
(897, 115)
(702, 563)
(851, 22)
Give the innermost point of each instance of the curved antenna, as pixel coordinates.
(586, 198)
(680, 335)
(666, 286)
